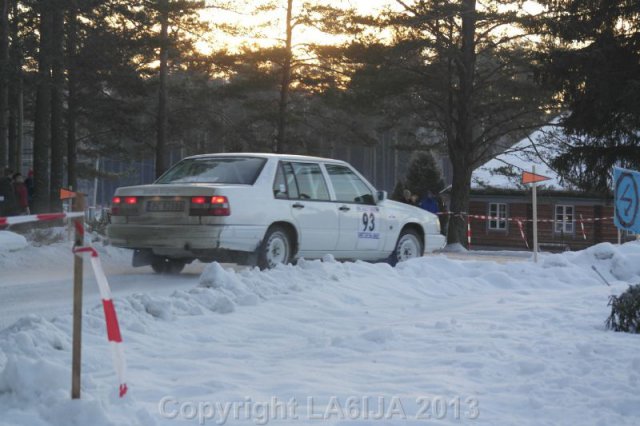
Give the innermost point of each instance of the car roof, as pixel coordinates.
(268, 156)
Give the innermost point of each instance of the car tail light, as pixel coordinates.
(124, 206)
(115, 206)
(210, 206)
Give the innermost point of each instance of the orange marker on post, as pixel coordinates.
(528, 177)
(65, 194)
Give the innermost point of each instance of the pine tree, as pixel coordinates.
(4, 80)
(42, 115)
(459, 68)
(593, 62)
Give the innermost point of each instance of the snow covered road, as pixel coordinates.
(435, 340)
(39, 280)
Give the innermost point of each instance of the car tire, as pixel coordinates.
(163, 265)
(276, 248)
(409, 246)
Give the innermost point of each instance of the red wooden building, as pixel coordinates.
(500, 210)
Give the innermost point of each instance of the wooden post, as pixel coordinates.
(78, 206)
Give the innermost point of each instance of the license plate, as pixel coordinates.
(165, 206)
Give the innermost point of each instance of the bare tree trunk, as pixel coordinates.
(285, 85)
(20, 121)
(57, 100)
(4, 81)
(161, 127)
(42, 120)
(16, 122)
(72, 101)
(461, 148)
(12, 124)
(16, 95)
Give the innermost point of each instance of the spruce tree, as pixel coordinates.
(461, 69)
(593, 62)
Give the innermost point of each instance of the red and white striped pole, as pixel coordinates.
(522, 234)
(584, 234)
(469, 232)
(113, 328)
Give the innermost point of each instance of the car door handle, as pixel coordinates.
(298, 206)
(344, 209)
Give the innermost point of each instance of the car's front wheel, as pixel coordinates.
(276, 248)
(409, 246)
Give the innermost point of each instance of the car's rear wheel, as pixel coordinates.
(409, 246)
(163, 265)
(276, 248)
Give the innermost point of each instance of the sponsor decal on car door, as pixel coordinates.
(368, 235)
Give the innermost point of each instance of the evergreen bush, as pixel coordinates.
(423, 175)
(625, 311)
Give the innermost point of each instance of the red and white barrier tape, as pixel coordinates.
(14, 220)
(522, 234)
(113, 329)
(516, 219)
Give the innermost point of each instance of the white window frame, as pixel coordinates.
(500, 223)
(564, 222)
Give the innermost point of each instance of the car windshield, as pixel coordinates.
(235, 170)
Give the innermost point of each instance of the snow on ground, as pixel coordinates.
(438, 340)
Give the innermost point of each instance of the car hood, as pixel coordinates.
(407, 209)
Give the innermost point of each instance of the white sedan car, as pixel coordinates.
(265, 209)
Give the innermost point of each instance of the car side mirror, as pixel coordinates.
(382, 195)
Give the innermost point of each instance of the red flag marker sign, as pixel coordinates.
(528, 177)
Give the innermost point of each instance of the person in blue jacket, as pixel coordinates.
(429, 203)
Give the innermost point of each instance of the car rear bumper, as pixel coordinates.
(434, 242)
(186, 237)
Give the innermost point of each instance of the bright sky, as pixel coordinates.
(272, 25)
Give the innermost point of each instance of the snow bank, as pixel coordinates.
(29, 256)
(524, 343)
(10, 241)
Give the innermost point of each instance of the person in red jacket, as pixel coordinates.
(22, 194)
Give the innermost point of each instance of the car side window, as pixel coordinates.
(284, 185)
(310, 181)
(290, 179)
(280, 185)
(349, 188)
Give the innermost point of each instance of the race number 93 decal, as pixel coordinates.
(368, 222)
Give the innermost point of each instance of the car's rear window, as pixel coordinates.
(235, 170)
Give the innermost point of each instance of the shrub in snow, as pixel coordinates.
(46, 236)
(625, 311)
(98, 225)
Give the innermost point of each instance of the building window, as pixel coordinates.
(565, 219)
(498, 216)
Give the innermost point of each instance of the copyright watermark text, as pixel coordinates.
(326, 409)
